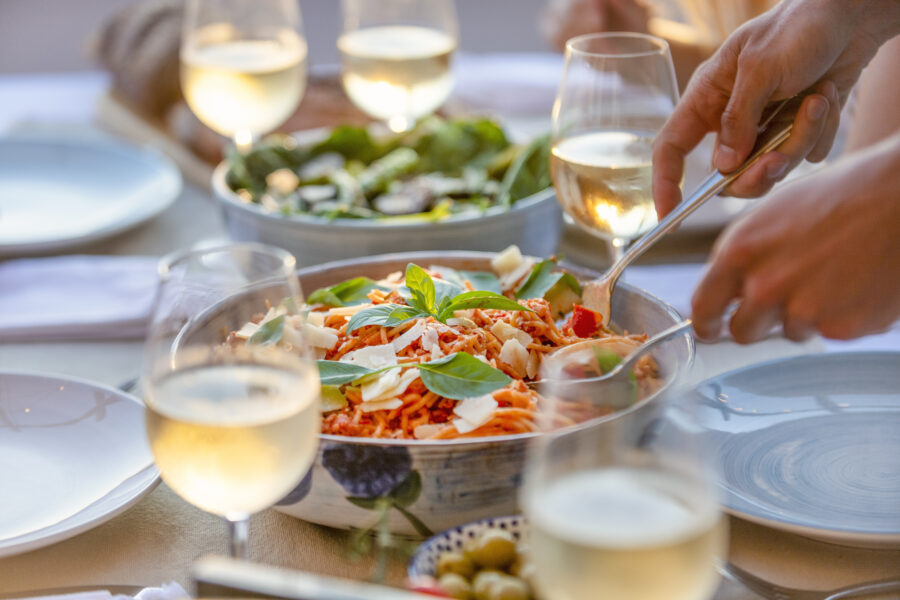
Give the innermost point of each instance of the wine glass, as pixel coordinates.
(617, 91)
(233, 411)
(396, 57)
(619, 498)
(243, 65)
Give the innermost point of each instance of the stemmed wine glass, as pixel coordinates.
(619, 498)
(396, 57)
(243, 65)
(233, 411)
(617, 91)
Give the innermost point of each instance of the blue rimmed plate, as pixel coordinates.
(811, 444)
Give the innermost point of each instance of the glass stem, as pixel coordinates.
(616, 249)
(238, 535)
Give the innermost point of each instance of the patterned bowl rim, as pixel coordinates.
(414, 574)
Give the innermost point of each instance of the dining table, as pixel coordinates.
(160, 538)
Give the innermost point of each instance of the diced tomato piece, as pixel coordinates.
(585, 322)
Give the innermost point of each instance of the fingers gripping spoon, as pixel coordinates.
(597, 294)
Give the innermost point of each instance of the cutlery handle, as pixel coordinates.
(772, 133)
(221, 577)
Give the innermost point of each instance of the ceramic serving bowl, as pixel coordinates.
(436, 485)
(533, 223)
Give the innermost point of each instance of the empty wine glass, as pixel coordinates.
(619, 494)
(396, 57)
(232, 393)
(243, 65)
(617, 91)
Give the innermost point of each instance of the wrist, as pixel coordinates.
(879, 19)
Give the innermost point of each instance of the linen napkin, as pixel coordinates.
(167, 591)
(76, 297)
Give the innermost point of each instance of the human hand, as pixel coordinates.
(565, 19)
(816, 47)
(820, 255)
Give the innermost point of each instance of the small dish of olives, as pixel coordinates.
(483, 560)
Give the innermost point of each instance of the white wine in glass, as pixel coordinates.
(617, 91)
(397, 56)
(233, 423)
(243, 65)
(619, 504)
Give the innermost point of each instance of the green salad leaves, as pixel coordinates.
(438, 169)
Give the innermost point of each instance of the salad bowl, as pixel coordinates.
(528, 215)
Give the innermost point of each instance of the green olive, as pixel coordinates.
(456, 586)
(507, 587)
(483, 583)
(495, 548)
(455, 562)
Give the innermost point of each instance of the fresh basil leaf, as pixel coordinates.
(335, 373)
(332, 398)
(324, 296)
(421, 286)
(480, 280)
(386, 315)
(445, 290)
(347, 293)
(479, 299)
(543, 278)
(269, 333)
(483, 280)
(461, 375)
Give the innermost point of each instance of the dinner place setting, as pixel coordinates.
(391, 299)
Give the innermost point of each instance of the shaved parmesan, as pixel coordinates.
(507, 260)
(464, 322)
(409, 336)
(316, 318)
(390, 404)
(389, 384)
(515, 355)
(248, 329)
(431, 343)
(347, 311)
(509, 280)
(373, 357)
(534, 365)
(474, 412)
(317, 337)
(423, 432)
(504, 331)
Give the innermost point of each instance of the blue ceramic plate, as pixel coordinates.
(811, 444)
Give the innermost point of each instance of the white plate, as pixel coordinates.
(73, 454)
(810, 444)
(61, 192)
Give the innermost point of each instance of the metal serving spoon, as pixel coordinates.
(597, 294)
(628, 361)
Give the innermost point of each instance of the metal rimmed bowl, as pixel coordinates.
(533, 223)
(435, 485)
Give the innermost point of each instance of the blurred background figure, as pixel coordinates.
(693, 28)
